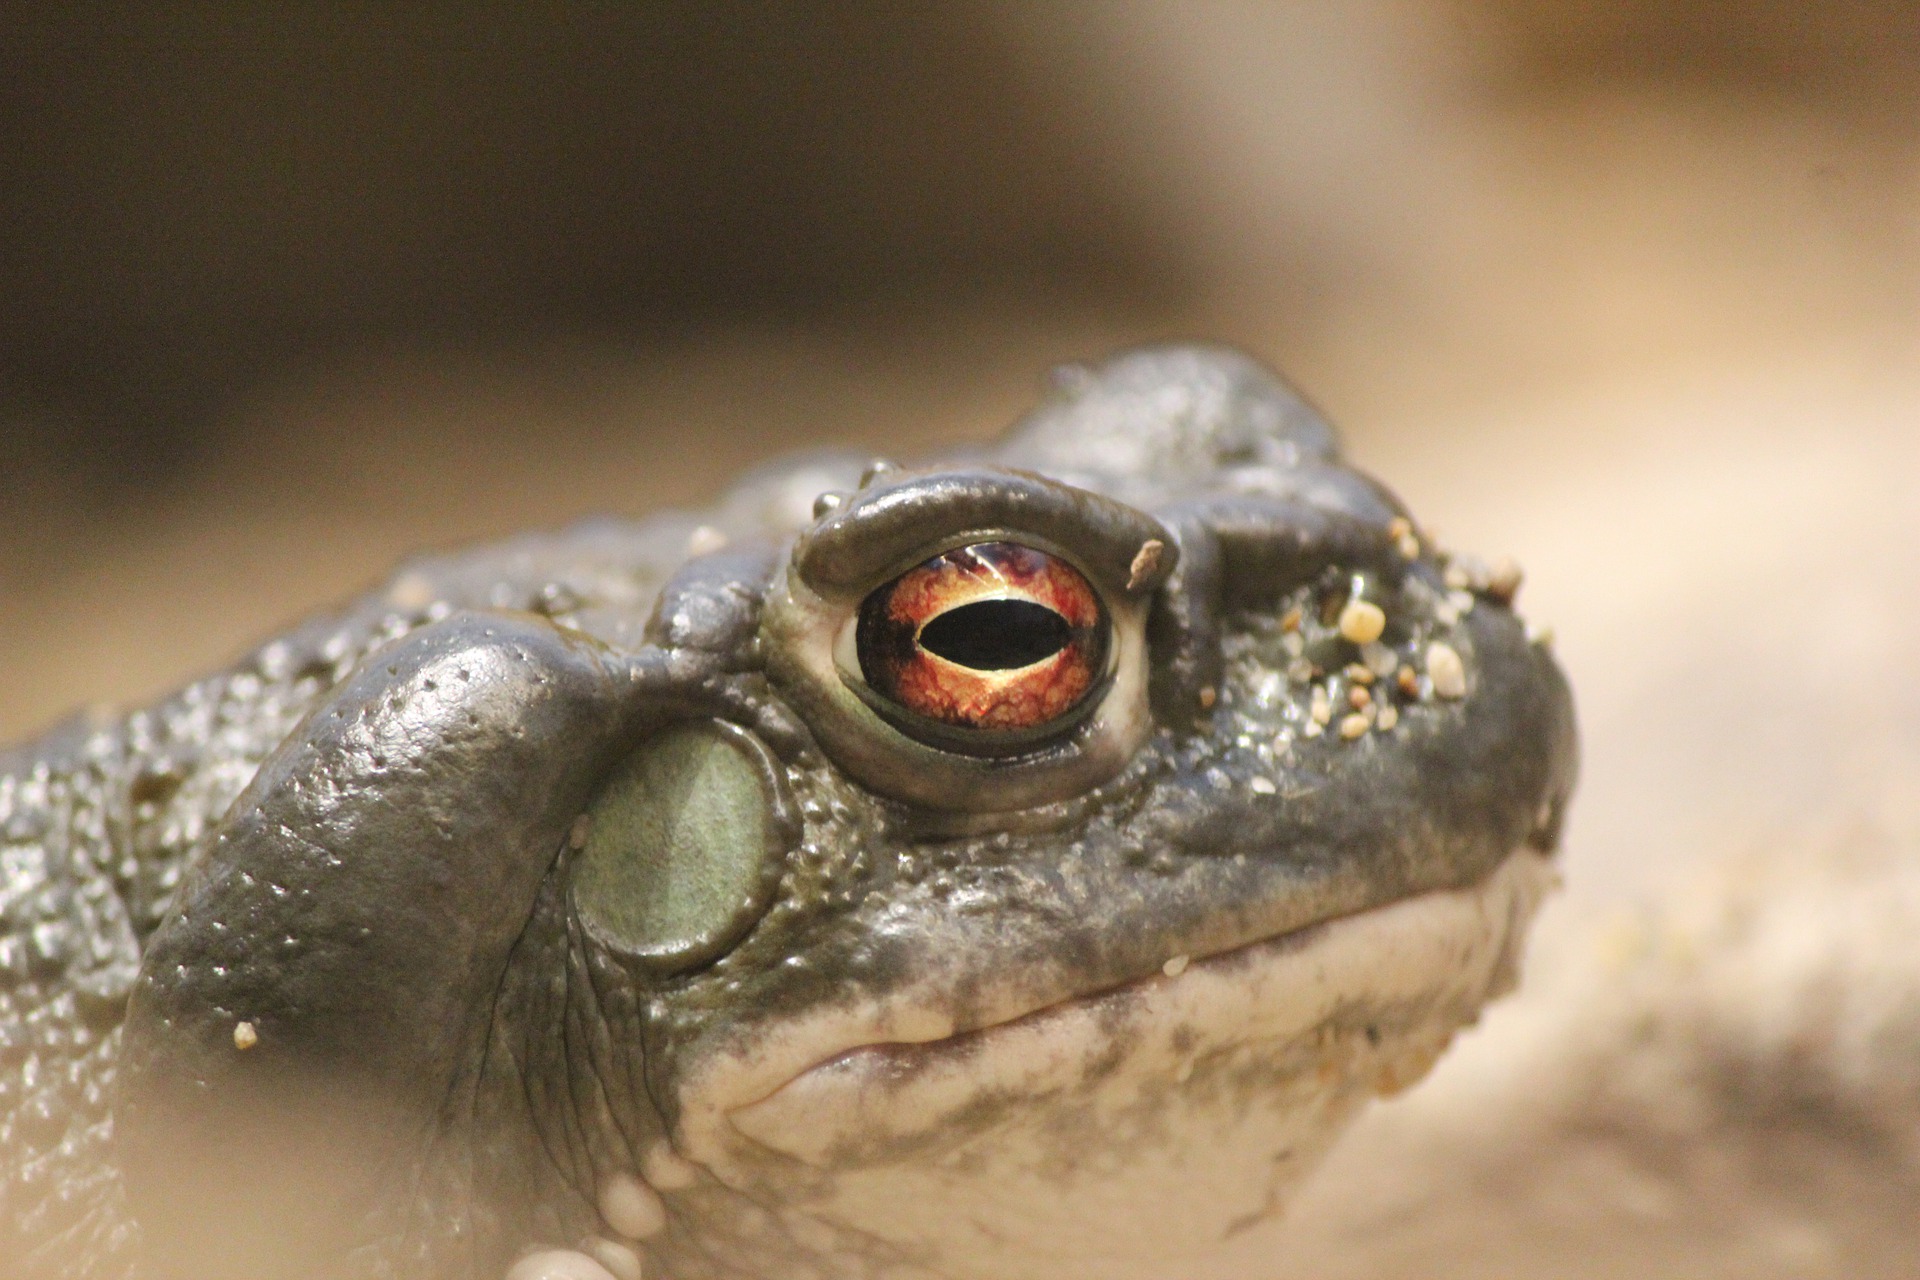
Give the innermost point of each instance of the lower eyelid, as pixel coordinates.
(1026, 701)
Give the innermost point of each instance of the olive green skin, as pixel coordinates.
(358, 840)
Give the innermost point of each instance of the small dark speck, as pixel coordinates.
(154, 788)
(1373, 1034)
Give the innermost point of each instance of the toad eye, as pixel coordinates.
(970, 641)
(997, 638)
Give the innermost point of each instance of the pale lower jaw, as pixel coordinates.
(1133, 1132)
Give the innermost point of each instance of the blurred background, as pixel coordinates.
(1629, 290)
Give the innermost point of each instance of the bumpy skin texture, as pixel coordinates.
(359, 841)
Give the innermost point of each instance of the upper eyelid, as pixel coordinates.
(883, 531)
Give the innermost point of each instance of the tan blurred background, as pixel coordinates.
(1630, 290)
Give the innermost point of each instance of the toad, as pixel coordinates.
(1020, 865)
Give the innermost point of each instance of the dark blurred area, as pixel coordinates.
(197, 194)
(1855, 57)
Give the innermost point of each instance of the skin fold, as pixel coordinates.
(573, 906)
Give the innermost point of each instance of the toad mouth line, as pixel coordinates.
(1273, 989)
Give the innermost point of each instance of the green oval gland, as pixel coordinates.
(682, 847)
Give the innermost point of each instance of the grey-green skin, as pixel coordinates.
(371, 817)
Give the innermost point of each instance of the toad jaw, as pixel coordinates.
(1204, 1092)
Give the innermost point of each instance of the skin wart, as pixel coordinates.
(578, 906)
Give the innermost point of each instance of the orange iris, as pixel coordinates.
(991, 636)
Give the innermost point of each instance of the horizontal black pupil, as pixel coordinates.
(996, 635)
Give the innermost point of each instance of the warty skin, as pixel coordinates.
(303, 971)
